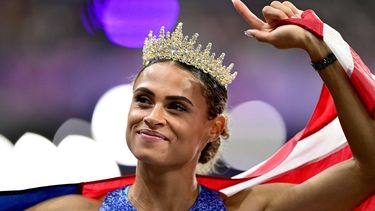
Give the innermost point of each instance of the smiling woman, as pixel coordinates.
(209, 105)
(176, 120)
(164, 113)
(168, 127)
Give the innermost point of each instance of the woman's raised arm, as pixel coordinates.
(342, 186)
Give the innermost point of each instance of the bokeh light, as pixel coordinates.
(109, 120)
(127, 23)
(76, 159)
(5, 144)
(257, 131)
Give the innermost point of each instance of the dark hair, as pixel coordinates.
(216, 98)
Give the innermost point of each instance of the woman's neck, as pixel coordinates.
(155, 189)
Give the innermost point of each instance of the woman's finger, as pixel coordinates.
(261, 36)
(249, 17)
(288, 11)
(272, 14)
(294, 9)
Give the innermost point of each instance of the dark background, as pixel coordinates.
(52, 69)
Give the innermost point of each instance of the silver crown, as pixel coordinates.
(176, 47)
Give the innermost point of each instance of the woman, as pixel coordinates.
(177, 117)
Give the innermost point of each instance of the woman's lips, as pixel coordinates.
(150, 135)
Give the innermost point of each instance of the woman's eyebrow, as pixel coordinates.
(182, 98)
(144, 89)
(173, 97)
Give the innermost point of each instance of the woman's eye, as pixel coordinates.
(143, 100)
(177, 107)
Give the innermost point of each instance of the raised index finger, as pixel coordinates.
(249, 17)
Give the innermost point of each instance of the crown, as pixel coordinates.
(176, 47)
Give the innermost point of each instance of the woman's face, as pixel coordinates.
(167, 122)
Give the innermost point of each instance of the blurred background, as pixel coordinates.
(58, 57)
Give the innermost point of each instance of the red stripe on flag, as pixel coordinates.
(323, 114)
(301, 174)
(97, 189)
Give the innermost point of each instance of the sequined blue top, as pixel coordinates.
(208, 200)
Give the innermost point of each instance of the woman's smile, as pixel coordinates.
(151, 135)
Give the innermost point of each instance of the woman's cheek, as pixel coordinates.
(136, 115)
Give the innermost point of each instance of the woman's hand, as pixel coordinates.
(269, 31)
(284, 36)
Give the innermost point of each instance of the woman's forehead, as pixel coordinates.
(169, 76)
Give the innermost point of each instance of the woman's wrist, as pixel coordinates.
(315, 47)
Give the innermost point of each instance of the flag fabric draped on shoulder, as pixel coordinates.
(318, 146)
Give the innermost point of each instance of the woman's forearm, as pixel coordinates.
(356, 122)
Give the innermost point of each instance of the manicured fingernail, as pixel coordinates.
(248, 33)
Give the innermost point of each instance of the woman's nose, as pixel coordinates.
(155, 119)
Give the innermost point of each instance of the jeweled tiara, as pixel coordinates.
(176, 47)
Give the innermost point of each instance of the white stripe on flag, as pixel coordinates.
(306, 151)
(339, 47)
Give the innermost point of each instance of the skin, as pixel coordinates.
(68, 202)
(166, 167)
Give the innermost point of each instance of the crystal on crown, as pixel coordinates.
(176, 47)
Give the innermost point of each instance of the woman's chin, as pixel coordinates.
(150, 157)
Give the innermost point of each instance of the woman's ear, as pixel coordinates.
(217, 127)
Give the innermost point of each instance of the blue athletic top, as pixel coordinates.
(208, 200)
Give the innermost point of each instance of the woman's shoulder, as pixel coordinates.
(68, 202)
